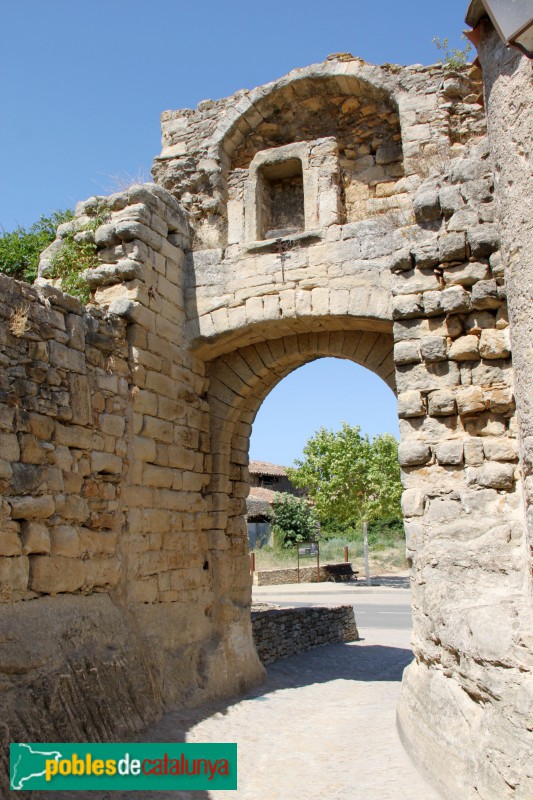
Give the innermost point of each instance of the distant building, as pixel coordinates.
(266, 480)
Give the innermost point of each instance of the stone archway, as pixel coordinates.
(126, 428)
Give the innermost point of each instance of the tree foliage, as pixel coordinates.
(20, 249)
(293, 520)
(350, 477)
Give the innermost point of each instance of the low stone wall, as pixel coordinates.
(328, 572)
(286, 631)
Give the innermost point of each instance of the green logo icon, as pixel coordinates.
(125, 766)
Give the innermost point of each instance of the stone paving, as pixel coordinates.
(321, 726)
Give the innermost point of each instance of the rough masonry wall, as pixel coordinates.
(283, 632)
(105, 461)
(64, 396)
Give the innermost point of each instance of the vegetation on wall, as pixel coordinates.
(20, 249)
(453, 58)
(78, 253)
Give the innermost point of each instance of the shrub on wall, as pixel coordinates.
(20, 249)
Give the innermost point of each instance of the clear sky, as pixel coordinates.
(83, 85)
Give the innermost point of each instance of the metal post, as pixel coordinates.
(365, 546)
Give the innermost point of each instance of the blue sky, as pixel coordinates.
(83, 85)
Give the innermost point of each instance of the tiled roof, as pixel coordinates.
(265, 468)
(259, 493)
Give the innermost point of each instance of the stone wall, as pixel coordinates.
(283, 632)
(64, 395)
(105, 525)
(328, 572)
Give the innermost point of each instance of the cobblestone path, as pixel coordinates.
(321, 726)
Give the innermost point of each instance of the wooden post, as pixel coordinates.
(346, 553)
(252, 562)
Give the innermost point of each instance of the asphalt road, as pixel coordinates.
(383, 606)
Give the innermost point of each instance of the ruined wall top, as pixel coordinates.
(359, 134)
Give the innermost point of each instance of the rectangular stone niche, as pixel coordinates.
(280, 196)
(292, 189)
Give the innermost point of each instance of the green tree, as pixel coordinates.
(20, 249)
(293, 521)
(351, 478)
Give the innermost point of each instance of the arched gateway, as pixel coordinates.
(344, 210)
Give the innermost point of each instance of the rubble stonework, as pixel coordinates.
(345, 210)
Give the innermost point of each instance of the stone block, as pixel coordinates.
(66, 358)
(495, 475)
(112, 424)
(485, 425)
(465, 348)
(406, 306)
(106, 463)
(483, 240)
(413, 503)
(9, 447)
(478, 321)
(470, 400)
(156, 476)
(102, 572)
(54, 574)
(434, 348)
(441, 403)
(32, 507)
(35, 537)
(159, 429)
(450, 452)
(401, 260)
(426, 205)
(411, 404)
(495, 343)
(406, 352)
(452, 247)
(443, 510)
(414, 281)
(144, 448)
(80, 399)
(425, 255)
(427, 376)
(473, 452)
(500, 449)
(455, 300)
(485, 295)
(10, 540)
(412, 454)
(501, 401)
(64, 541)
(466, 274)
(14, 573)
(432, 303)
(450, 200)
(74, 436)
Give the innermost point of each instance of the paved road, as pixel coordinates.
(374, 606)
(323, 723)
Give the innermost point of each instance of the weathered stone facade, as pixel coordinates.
(345, 210)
